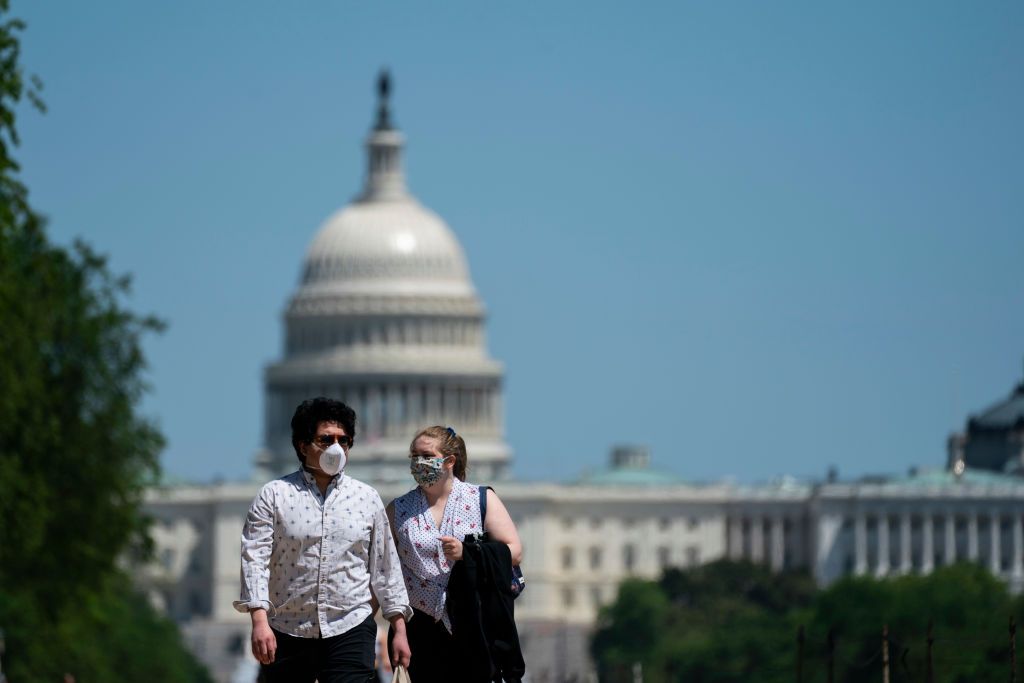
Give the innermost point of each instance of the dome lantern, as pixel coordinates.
(385, 180)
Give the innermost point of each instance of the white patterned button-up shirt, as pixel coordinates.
(419, 543)
(311, 561)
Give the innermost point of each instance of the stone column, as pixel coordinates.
(860, 544)
(778, 544)
(905, 559)
(1018, 547)
(375, 416)
(972, 535)
(882, 529)
(827, 553)
(927, 543)
(492, 406)
(994, 547)
(498, 412)
(949, 542)
(408, 400)
(433, 404)
(757, 539)
(474, 409)
(390, 408)
(735, 538)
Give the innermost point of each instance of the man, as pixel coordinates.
(317, 559)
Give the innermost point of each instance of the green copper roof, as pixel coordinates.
(970, 477)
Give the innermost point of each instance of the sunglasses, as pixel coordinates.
(326, 441)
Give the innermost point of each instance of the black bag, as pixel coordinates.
(518, 581)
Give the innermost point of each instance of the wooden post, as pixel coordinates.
(885, 653)
(930, 672)
(831, 655)
(1013, 650)
(800, 655)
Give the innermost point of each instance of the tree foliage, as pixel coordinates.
(75, 455)
(728, 621)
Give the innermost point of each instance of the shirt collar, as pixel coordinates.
(307, 474)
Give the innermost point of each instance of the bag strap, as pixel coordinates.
(483, 506)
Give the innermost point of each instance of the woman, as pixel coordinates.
(429, 524)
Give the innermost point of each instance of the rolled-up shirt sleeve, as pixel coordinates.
(386, 570)
(257, 544)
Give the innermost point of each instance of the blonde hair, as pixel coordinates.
(450, 444)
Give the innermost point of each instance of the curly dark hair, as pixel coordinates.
(312, 412)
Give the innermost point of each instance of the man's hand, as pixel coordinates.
(452, 548)
(264, 644)
(400, 652)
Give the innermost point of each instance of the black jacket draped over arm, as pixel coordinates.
(480, 605)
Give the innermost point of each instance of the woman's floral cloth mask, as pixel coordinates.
(427, 471)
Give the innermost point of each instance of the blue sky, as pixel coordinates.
(761, 238)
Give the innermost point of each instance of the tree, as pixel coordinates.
(968, 607)
(75, 455)
(725, 621)
(731, 622)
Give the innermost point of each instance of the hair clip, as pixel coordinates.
(451, 432)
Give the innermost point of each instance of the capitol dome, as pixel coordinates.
(393, 247)
(386, 319)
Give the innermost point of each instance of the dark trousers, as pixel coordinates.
(344, 658)
(434, 659)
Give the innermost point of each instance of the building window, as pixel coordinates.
(595, 558)
(567, 557)
(595, 522)
(629, 557)
(692, 556)
(567, 522)
(236, 644)
(568, 597)
(595, 596)
(663, 557)
(664, 523)
(167, 558)
(693, 523)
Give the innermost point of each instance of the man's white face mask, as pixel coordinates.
(333, 459)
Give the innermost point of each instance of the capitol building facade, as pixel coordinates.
(386, 319)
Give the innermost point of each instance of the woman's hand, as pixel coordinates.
(452, 548)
